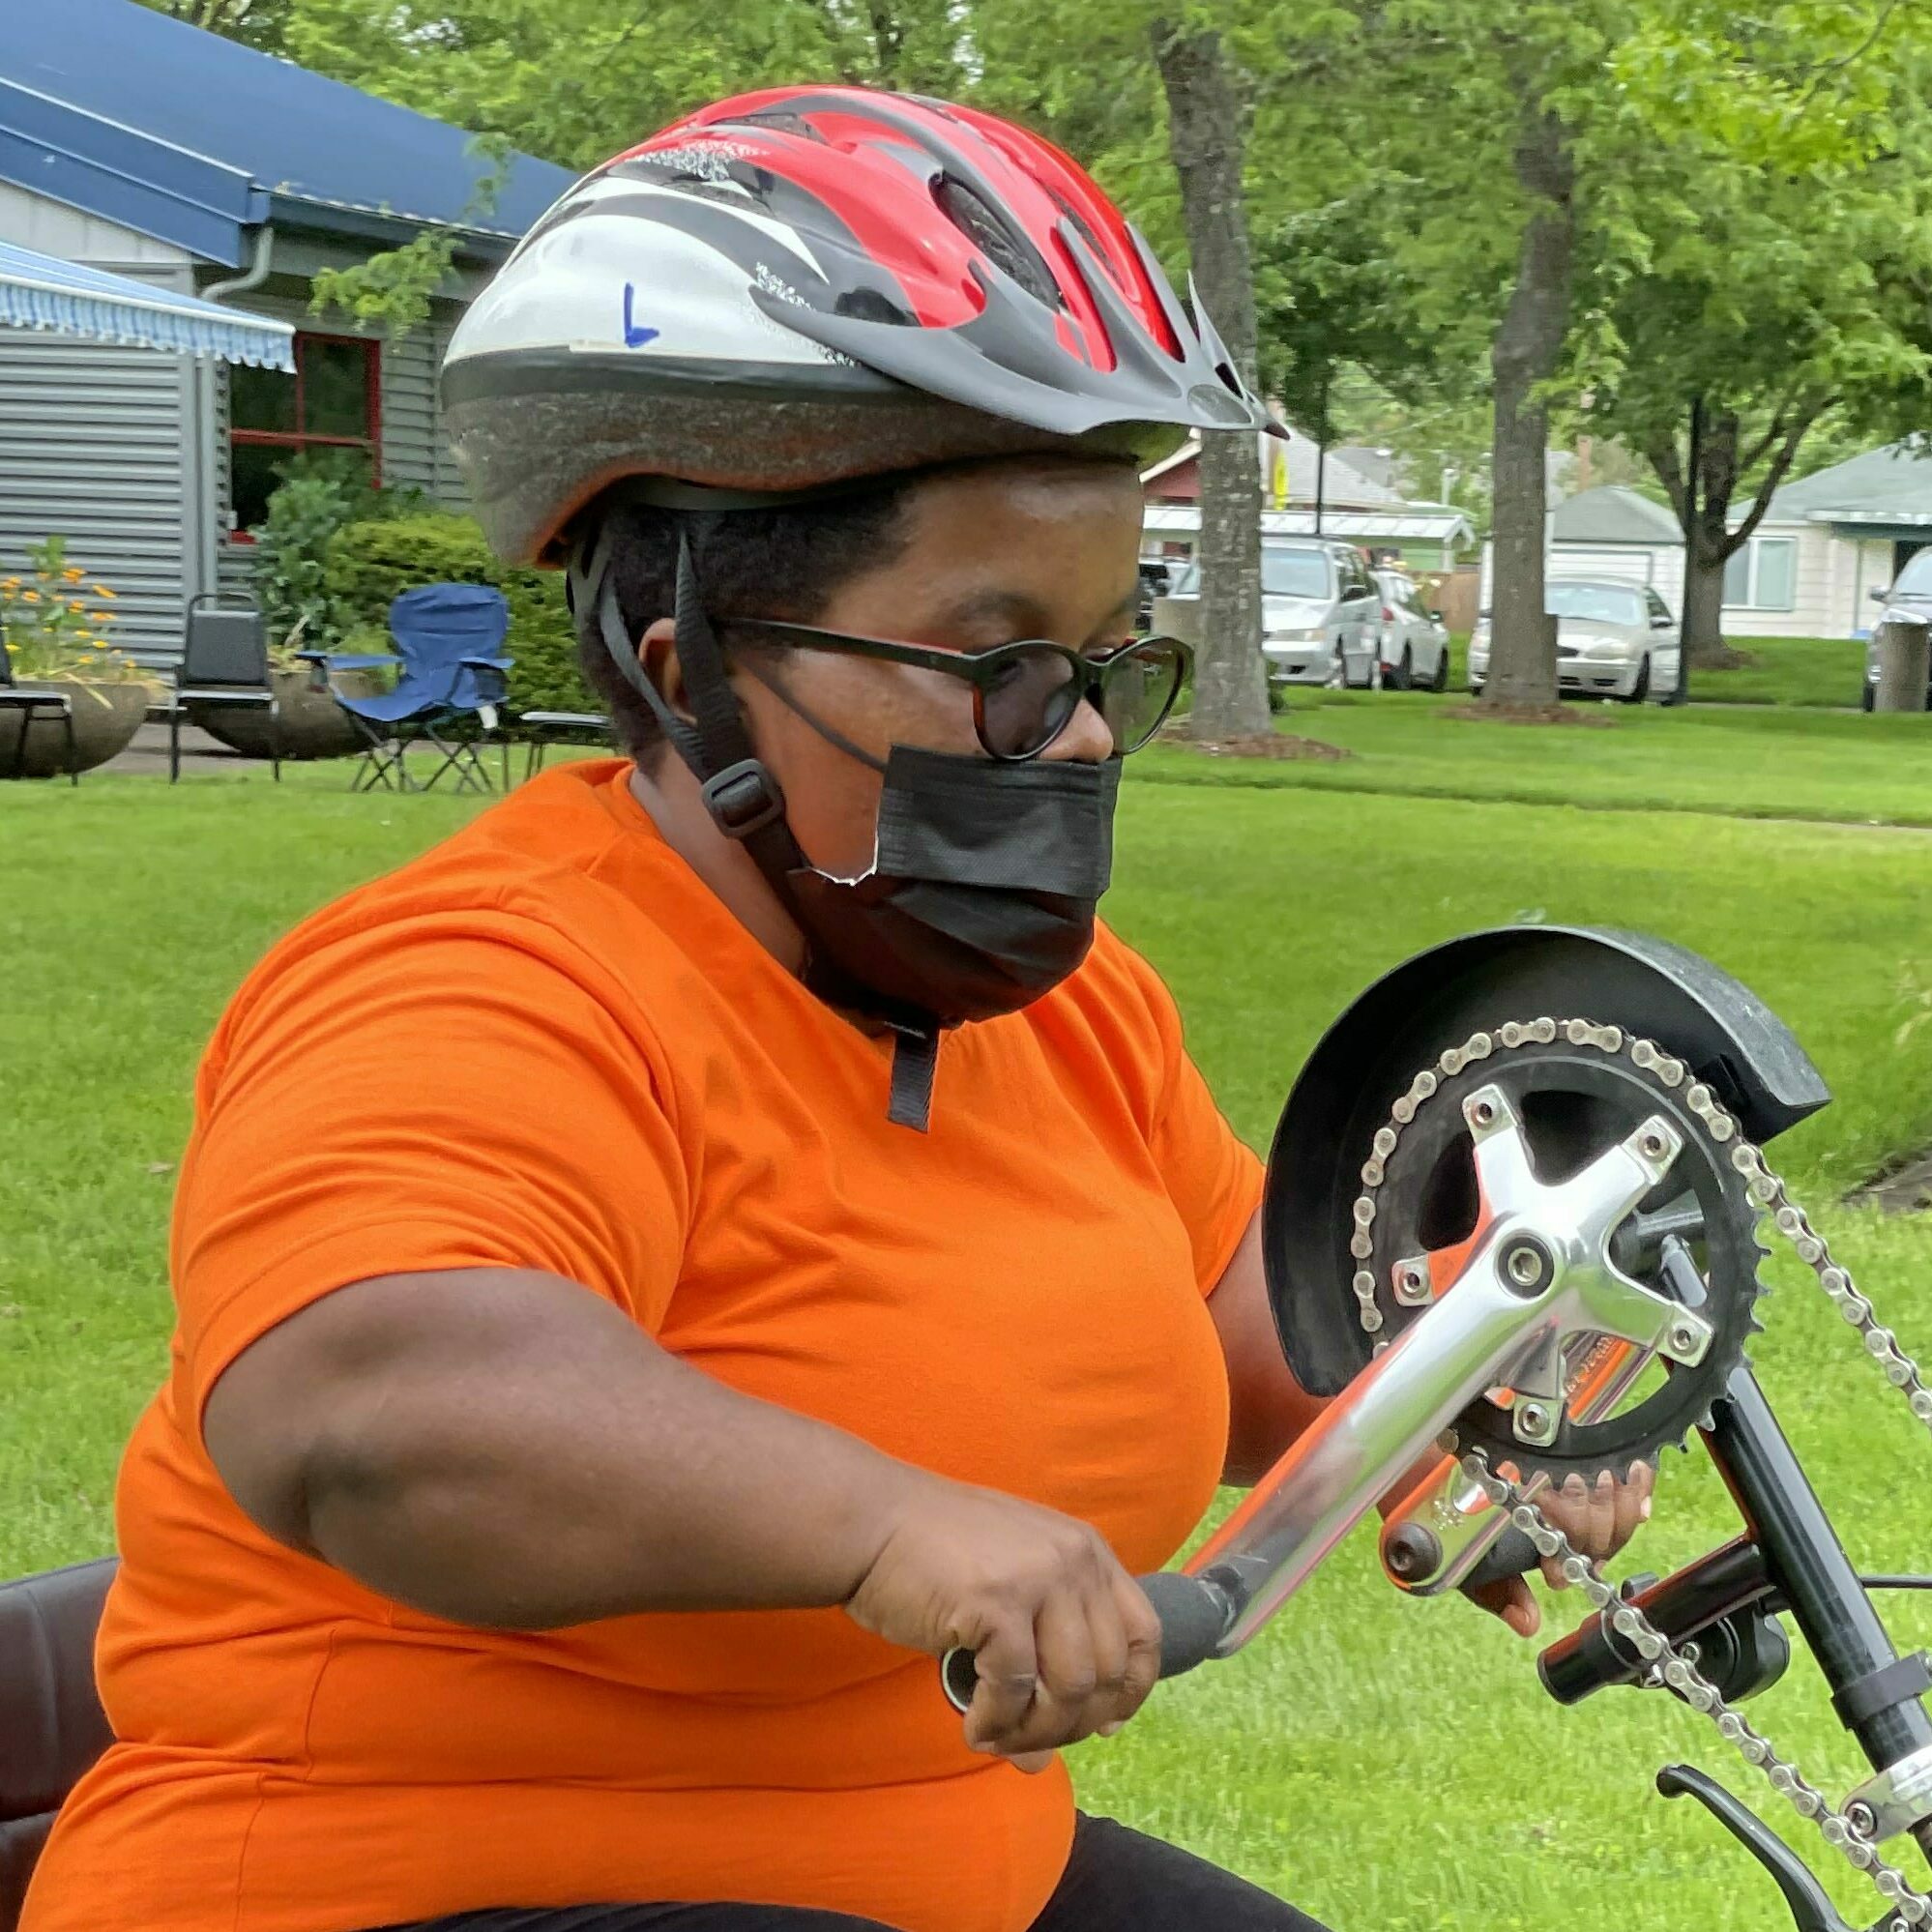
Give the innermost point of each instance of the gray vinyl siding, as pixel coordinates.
(416, 453)
(91, 448)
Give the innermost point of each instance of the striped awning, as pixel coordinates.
(42, 292)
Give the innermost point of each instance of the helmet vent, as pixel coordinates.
(987, 233)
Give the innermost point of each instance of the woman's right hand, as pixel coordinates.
(1066, 1643)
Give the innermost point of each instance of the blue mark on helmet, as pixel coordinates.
(635, 335)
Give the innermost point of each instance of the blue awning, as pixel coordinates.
(42, 292)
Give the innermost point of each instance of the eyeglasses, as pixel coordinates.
(1025, 694)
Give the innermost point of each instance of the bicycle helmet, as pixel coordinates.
(806, 286)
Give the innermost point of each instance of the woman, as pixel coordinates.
(660, 1269)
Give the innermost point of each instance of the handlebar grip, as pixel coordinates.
(1511, 1554)
(1195, 1614)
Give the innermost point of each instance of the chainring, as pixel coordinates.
(1575, 1099)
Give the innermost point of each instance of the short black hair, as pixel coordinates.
(784, 561)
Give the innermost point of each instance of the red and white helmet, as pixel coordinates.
(798, 288)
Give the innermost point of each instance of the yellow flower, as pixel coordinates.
(74, 574)
(30, 597)
(9, 583)
(101, 617)
(101, 589)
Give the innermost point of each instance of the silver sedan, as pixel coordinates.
(1614, 639)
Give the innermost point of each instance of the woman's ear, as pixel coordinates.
(658, 655)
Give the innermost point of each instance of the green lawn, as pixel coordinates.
(1388, 1764)
(1819, 672)
(1735, 760)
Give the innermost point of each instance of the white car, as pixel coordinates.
(1614, 639)
(1321, 617)
(1415, 651)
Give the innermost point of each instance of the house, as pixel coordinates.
(139, 144)
(1828, 541)
(1353, 507)
(1611, 531)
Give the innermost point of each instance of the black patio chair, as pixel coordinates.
(52, 1724)
(224, 666)
(30, 704)
(545, 728)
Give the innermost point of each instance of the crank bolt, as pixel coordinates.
(1528, 1265)
(1535, 1422)
(1411, 1552)
(1412, 1283)
(1654, 1145)
(1482, 1113)
(1682, 1339)
(1862, 1818)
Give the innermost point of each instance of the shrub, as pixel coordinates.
(371, 564)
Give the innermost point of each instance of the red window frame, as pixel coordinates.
(299, 440)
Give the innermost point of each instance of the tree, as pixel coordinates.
(1205, 118)
(1774, 308)
(259, 24)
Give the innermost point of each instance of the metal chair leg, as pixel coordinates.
(274, 737)
(72, 749)
(174, 743)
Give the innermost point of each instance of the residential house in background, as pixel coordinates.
(139, 144)
(1611, 530)
(1828, 541)
(1353, 507)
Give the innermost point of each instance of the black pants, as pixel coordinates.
(1116, 1881)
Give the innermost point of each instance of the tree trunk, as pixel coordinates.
(1206, 121)
(1527, 351)
(1704, 600)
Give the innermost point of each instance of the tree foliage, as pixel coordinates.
(1587, 213)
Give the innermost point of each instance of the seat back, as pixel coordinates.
(226, 644)
(52, 1724)
(436, 625)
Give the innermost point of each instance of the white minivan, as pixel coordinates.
(1321, 611)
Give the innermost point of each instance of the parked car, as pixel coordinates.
(1321, 614)
(1415, 642)
(1614, 639)
(1909, 595)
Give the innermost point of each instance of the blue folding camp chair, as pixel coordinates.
(450, 682)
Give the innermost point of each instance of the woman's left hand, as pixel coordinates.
(1598, 1522)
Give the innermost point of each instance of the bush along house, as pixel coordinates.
(137, 144)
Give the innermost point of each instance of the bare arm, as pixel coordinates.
(502, 1448)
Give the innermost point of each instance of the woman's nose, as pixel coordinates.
(1086, 741)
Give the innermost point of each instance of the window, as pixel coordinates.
(1763, 576)
(1659, 609)
(332, 402)
(1288, 571)
(1600, 603)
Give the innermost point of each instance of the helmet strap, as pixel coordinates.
(739, 791)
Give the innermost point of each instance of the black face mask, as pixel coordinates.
(981, 891)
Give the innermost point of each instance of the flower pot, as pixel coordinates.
(313, 725)
(106, 719)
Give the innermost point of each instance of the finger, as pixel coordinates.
(1140, 1631)
(1062, 1712)
(1033, 1763)
(1008, 1668)
(1107, 1631)
(1633, 1501)
(1510, 1597)
(1603, 1517)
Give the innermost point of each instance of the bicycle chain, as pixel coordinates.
(1670, 1666)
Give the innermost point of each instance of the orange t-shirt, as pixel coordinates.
(545, 1044)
